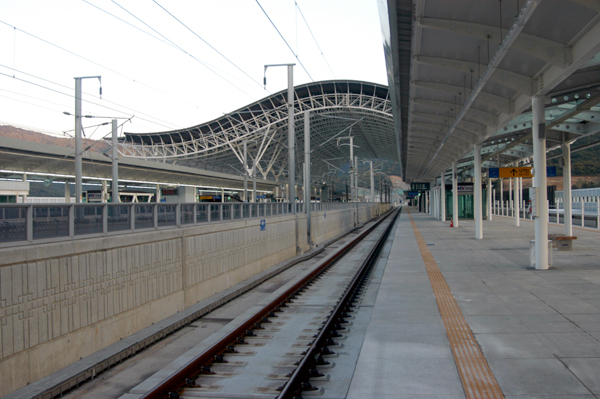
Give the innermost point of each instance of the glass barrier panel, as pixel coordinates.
(187, 213)
(214, 213)
(246, 211)
(119, 217)
(226, 211)
(50, 222)
(166, 215)
(237, 211)
(201, 213)
(144, 216)
(13, 224)
(269, 209)
(88, 219)
(254, 210)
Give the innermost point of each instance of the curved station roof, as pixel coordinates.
(337, 109)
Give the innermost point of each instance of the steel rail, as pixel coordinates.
(169, 387)
(307, 366)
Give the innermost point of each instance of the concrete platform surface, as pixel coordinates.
(539, 330)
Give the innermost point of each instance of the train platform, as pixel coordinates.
(457, 317)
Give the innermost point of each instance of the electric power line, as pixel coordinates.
(96, 63)
(209, 45)
(211, 68)
(70, 95)
(313, 36)
(285, 41)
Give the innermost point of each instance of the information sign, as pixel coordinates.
(263, 224)
(419, 186)
(496, 173)
(551, 171)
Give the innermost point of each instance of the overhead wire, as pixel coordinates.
(209, 45)
(285, 41)
(96, 63)
(211, 68)
(315, 39)
(70, 95)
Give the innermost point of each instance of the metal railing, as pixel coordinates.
(32, 222)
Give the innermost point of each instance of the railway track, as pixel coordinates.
(302, 340)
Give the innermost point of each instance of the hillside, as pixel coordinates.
(36, 137)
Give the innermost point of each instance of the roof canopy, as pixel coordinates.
(337, 109)
(464, 73)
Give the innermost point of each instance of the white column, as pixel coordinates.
(598, 212)
(443, 198)
(510, 192)
(539, 181)
(501, 197)
(516, 206)
(567, 200)
(454, 195)
(157, 195)
(67, 192)
(104, 191)
(521, 190)
(489, 198)
(477, 192)
(427, 206)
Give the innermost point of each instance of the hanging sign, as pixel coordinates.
(495, 173)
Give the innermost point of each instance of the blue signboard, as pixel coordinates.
(263, 225)
(261, 196)
(413, 193)
(551, 171)
(494, 173)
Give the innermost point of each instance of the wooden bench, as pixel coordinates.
(565, 243)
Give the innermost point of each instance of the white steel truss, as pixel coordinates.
(333, 106)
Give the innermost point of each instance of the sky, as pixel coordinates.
(172, 64)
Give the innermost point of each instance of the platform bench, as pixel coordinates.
(565, 243)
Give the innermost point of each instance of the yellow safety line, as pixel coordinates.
(475, 374)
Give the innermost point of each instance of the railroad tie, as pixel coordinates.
(475, 374)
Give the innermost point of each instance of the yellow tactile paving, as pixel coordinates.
(475, 374)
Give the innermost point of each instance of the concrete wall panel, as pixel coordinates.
(66, 300)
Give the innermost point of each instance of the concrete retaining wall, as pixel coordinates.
(63, 301)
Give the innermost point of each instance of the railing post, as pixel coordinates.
(105, 218)
(221, 212)
(29, 222)
(72, 220)
(178, 214)
(582, 213)
(132, 216)
(195, 213)
(208, 212)
(155, 215)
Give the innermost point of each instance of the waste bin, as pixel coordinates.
(532, 253)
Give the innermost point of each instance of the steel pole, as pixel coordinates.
(115, 163)
(372, 182)
(443, 197)
(539, 182)
(245, 171)
(567, 207)
(78, 152)
(477, 192)
(307, 188)
(291, 138)
(355, 179)
(454, 195)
